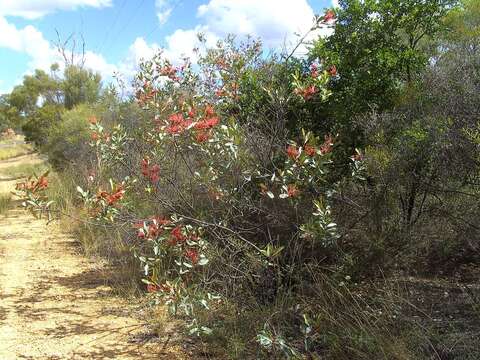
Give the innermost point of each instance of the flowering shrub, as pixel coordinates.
(205, 195)
(32, 194)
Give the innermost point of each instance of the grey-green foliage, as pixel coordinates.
(80, 86)
(68, 138)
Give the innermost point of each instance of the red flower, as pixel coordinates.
(293, 152)
(178, 124)
(153, 230)
(187, 123)
(42, 183)
(310, 150)
(174, 129)
(113, 197)
(202, 136)
(309, 92)
(192, 254)
(169, 71)
(209, 111)
(192, 113)
(332, 70)
(154, 173)
(141, 233)
(151, 172)
(176, 119)
(94, 136)
(207, 123)
(327, 145)
(314, 70)
(116, 196)
(154, 177)
(329, 16)
(292, 190)
(177, 236)
(151, 288)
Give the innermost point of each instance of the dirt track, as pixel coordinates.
(56, 304)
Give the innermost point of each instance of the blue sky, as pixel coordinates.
(118, 33)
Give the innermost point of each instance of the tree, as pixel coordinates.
(378, 47)
(80, 86)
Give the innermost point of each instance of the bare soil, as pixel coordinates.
(55, 303)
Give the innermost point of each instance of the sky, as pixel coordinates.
(119, 33)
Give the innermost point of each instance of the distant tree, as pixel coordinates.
(80, 86)
(464, 25)
(40, 100)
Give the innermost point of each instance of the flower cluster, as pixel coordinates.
(305, 166)
(293, 152)
(32, 194)
(33, 185)
(329, 17)
(104, 205)
(151, 172)
(111, 198)
(170, 238)
(200, 121)
(145, 94)
(313, 82)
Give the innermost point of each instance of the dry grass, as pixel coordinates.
(23, 170)
(5, 203)
(94, 241)
(14, 151)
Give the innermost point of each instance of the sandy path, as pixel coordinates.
(55, 304)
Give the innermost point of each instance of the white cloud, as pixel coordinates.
(164, 10)
(182, 43)
(179, 45)
(32, 9)
(335, 3)
(275, 21)
(27, 40)
(42, 54)
(137, 52)
(98, 63)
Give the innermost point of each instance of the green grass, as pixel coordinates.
(14, 151)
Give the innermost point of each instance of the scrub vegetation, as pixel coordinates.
(316, 207)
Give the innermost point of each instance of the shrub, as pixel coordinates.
(68, 138)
